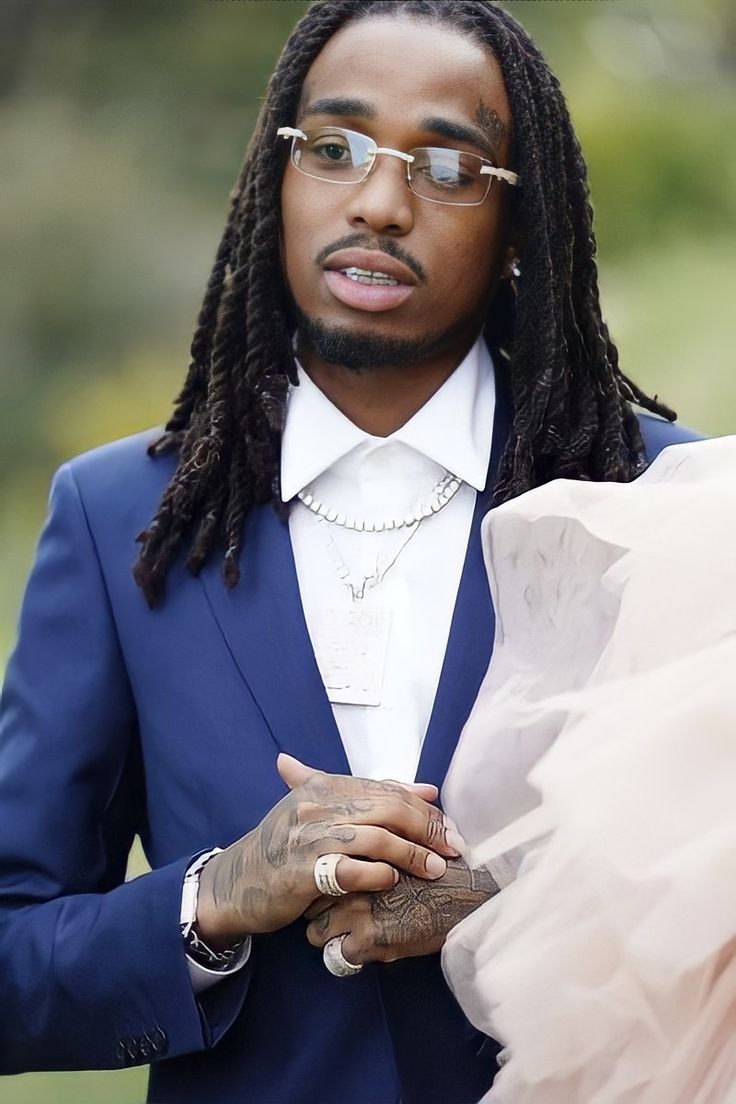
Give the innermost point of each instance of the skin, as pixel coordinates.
(403, 897)
(411, 919)
(463, 251)
(266, 880)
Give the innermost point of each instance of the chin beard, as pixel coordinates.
(364, 352)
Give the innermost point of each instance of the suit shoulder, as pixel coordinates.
(658, 433)
(121, 473)
(126, 451)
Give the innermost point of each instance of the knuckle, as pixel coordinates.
(385, 795)
(322, 922)
(342, 834)
(308, 811)
(318, 931)
(391, 786)
(435, 828)
(388, 878)
(415, 857)
(312, 936)
(319, 788)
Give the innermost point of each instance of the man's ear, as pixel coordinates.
(510, 266)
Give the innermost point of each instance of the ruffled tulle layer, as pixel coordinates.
(607, 964)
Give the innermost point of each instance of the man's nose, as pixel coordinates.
(383, 202)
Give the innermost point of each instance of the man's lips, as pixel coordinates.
(371, 260)
(368, 296)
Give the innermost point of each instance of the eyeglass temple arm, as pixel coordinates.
(502, 174)
(289, 132)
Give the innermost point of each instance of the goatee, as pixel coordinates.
(363, 352)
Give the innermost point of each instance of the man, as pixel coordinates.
(412, 221)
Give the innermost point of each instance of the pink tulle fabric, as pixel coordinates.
(596, 778)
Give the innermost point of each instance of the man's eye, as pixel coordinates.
(447, 179)
(332, 151)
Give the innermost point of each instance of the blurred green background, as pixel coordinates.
(123, 126)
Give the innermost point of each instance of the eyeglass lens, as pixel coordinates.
(346, 157)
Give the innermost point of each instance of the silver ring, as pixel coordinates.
(335, 960)
(325, 875)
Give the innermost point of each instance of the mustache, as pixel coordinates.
(385, 245)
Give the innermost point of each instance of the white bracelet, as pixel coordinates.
(190, 891)
(195, 946)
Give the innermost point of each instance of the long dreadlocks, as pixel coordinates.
(571, 412)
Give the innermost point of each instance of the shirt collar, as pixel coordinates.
(453, 428)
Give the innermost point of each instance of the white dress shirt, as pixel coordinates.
(376, 478)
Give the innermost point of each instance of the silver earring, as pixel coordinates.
(515, 270)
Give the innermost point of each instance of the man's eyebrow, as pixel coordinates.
(488, 134)
(341, 106)
(461, 132)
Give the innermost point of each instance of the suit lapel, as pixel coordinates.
(470, 642)
(263, 624)
(262, 621)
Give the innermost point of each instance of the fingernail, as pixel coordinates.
(396, 877)
(435, 865)
(454, 840)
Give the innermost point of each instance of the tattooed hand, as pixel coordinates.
(266, 879)
(413, 918)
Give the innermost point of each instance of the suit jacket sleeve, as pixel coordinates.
(93, 969)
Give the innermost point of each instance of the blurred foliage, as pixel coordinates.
(123, 128)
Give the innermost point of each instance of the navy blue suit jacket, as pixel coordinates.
(117, 720)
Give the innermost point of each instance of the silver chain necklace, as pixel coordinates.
(443, 492)
(357, 585)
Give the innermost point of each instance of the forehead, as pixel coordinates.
(410, 69)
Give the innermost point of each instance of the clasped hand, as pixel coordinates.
(387, 831)
(412, 918)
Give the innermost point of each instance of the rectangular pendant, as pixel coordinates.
(350, 648)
